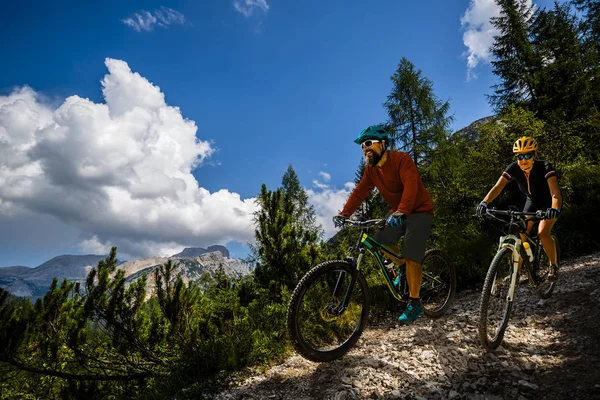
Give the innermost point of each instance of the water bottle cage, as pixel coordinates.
(528, 251)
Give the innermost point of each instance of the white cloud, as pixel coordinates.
(479, 33)
(119, 171)
(247, 7)
(329, 202)
(320, 185)
(326, 177)
(146, 21)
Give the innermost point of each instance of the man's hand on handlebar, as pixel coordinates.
(339, 220)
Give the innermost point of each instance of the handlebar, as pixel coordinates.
(524, 216)
(365, 224)
(541, 214)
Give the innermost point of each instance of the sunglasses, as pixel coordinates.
(369, 143)
(527, 156)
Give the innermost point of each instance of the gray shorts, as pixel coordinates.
(416, 229)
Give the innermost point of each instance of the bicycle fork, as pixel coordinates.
(340, 283)
(514, 245)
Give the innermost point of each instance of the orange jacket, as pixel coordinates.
(399, 183)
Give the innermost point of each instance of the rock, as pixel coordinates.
(345, 395)
(541, 303)
(527, 387)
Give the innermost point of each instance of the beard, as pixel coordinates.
(372, 157)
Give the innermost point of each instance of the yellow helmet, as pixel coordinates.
(525, 144)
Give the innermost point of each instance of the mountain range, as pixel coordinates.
(190, 264)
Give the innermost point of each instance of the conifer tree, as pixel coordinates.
(591, 21)
(286, 242)
(304, 213)
(417, 118)
(515, 61)
(562, 87)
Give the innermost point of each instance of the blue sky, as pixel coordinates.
(152, 125)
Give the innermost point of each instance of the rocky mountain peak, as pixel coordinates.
(191, 263)
(190, 252)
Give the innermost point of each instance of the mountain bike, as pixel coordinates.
(498, 294)
(329, 308)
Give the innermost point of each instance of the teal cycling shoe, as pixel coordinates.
(412, 312)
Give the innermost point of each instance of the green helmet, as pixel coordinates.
(372, 132)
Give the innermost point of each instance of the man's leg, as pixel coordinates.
(395, 249)
(414, 277)
(418, 229)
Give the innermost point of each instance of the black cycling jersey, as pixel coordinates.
(536, 187)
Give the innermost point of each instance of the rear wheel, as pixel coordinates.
(545, 288)
(438, 287)
(494, 308)
(320, 328)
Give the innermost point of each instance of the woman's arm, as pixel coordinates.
(555, 192)
(497, 189)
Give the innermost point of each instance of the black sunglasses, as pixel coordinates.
(527, 156)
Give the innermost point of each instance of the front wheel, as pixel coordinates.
(438, 286)
(320, 327)
(494, 309)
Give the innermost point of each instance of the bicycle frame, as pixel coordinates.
(513, 241)
(365, 241)
(374, 247)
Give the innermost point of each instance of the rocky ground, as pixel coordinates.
(551, 350)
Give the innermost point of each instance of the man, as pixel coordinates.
(537, 180)
(396, 177)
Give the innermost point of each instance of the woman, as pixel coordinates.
(537, 180)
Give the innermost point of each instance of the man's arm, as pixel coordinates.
(359, 194)
(410, 179)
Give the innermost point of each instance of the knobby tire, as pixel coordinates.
(318, 333)
(499, 274)
(437, 294)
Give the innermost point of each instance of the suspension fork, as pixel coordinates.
(515, 274)
(340, 281)
(516, 256)
(514, 243)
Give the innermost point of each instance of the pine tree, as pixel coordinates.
(591, 21)
(562, 87)
(515, 61)
(286, 242)
(304, 213)
(416, 117)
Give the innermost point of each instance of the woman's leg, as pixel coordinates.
(544, 231)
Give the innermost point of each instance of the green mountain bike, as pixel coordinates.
(499, 289)
(329, 307)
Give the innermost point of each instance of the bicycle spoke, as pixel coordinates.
(320, 326)
(438, 284)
